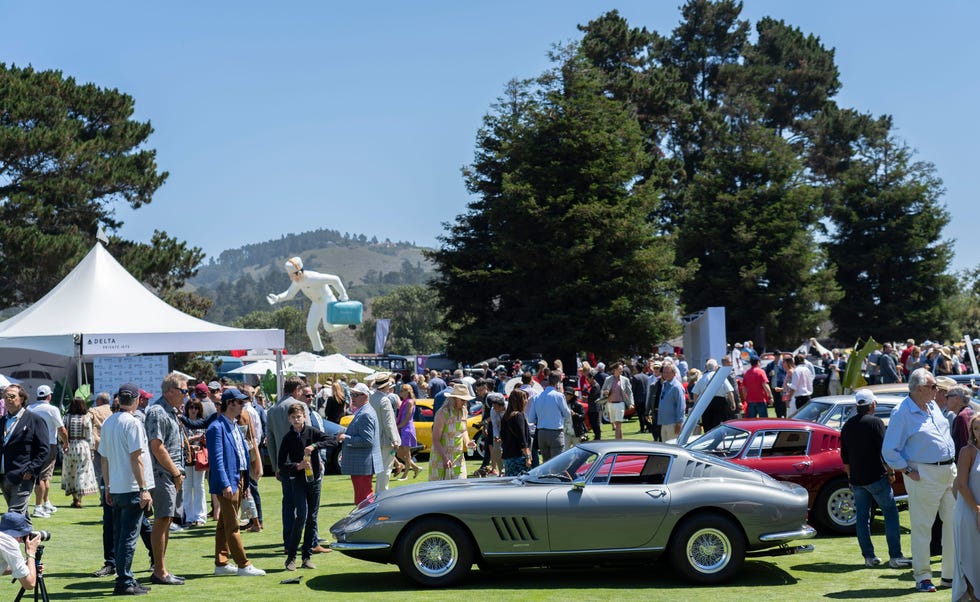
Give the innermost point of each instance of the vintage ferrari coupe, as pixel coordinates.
(640, 501)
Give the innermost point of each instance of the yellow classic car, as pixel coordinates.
(423, 427)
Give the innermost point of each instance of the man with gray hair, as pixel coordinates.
(918, 443)
(958, 402)
(722, 406)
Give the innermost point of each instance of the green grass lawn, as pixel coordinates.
(833, 571)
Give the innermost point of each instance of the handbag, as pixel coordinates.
(201, 459)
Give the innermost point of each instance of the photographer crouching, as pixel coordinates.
(14, 528)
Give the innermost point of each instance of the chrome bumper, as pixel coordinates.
(806, 532)
(344, 546)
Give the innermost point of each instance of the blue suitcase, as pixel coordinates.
(344, 312)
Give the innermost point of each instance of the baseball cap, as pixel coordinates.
(361, 388)
(144, 394)
(864, 397)
(128, 393)
(43, 391)
(214, 385)
(232, 393)
(201, 389)
(14, 524)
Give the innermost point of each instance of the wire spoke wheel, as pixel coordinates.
(709, 550)
(435, 554)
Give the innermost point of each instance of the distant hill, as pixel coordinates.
(239, 279)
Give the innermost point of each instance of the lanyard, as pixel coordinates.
(10, 426)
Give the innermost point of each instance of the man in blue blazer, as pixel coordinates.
(361, 458)
(229, 459)
(25, 447)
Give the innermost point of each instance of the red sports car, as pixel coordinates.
(799, 452)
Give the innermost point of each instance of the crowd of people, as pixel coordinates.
(195, 454)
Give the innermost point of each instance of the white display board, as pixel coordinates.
(147, 371)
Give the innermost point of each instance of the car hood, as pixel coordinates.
(456, 484)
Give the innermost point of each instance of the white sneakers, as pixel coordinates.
(245, 571)
(40, 512)
(51, 508)
(228, 569)
(250, 571)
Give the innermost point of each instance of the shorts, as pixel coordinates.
(617, 411)
(47, 469)
(167, 499)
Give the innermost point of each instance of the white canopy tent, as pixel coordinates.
(100, 309)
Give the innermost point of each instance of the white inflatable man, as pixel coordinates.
(317, 288)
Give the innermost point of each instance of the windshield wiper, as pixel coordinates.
(560, 477)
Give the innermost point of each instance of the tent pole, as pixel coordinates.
(78, 363)
(278, 375)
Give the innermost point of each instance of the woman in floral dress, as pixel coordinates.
(449, 437)
(77, 474)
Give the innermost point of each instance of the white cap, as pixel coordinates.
(43, 391)
(361, 388)
(864, 397)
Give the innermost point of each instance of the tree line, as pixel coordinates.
(647, 175)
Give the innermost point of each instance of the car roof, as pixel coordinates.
(758, 424)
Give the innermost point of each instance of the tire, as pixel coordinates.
(481, 445)
(834, 510)
(707, 549)
(434, 552)
(333, 462)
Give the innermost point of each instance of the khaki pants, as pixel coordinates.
(930, 495)
(227, 537)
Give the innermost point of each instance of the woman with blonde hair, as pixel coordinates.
(406, 429)
(336, 403)
(449, 436)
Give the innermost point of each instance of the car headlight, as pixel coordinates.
(361, 518)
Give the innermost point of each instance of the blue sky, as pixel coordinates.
(276, 117)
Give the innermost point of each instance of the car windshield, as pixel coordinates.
(724, 441)
(819, 411)
(568, 466)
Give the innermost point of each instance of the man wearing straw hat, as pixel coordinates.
(385, 405)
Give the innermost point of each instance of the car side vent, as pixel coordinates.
(695, 469)
(513, 528)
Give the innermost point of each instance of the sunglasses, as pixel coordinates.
(184, 391)
(308, 395)
(11, 396)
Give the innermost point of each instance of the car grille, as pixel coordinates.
(513, 528)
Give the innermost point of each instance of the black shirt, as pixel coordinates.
(515, 436)
(860, 447)
(294, 445)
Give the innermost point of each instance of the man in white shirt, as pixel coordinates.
(56, 431)
(128, 478)
(14, 528)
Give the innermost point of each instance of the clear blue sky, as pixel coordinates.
(274, 117)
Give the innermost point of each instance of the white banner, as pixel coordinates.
(381, 336)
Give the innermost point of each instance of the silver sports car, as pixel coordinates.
(639, 500)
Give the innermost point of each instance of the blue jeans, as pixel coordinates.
(126, 518)
(306, 499)
(881, 492)
(758, 409)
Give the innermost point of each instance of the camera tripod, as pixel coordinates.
(40, 589)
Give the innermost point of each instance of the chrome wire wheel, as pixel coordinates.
(709, 550)
(435, 554)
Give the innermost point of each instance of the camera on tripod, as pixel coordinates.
(43, 535)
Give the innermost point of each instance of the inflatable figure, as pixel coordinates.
(317, 288)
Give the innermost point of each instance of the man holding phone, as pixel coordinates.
(128, 478)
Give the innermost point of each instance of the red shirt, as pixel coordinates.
(753, 381)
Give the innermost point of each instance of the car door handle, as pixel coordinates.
(802, 466)
(657, 493)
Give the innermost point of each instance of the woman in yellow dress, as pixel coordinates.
(449, 437)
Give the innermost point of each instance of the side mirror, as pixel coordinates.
(578, 484)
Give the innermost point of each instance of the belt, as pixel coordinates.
(544, 429)
(940, 463)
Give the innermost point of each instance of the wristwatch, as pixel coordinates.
(909, 470)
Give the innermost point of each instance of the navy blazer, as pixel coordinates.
(27, 448)
(226, 471)
(362, 447)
